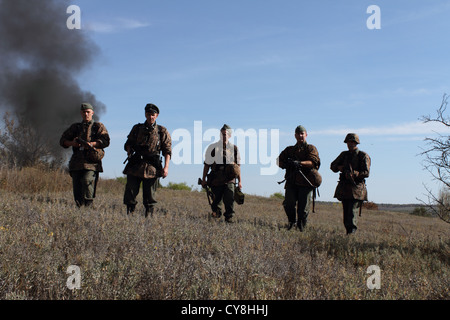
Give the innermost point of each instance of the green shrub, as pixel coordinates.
(178, 186)
(277, 195)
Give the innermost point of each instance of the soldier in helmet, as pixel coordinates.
(300, 161)
(354, 168)
(223, 159)
(144, 145)
(87, 139)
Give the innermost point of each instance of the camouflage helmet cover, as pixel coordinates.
(352, 137)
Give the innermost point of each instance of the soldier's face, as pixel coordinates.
(225, 135)
(87, 115)
(151, 117)
(301, 136)
(351, 145)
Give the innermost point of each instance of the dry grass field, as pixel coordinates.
(181, 253)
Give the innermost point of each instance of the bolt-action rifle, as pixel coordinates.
(84, 143)
(297, 167)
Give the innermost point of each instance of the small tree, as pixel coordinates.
(22, 146)
(437, 163)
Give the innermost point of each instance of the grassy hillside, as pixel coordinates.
(182, 253)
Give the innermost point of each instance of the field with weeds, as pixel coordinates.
(181, 253)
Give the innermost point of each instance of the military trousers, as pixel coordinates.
(351, 210)
(225, 194)
(297, 203)
(83, 182)
(148, 191)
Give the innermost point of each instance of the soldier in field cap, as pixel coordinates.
(354, 168)
(301, 162)
(87, 139)
(144, 145)
(223, 159)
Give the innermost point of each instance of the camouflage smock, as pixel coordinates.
(301, 152)
(89, 131)
(359, 162)
(147, 142)
(224, 165)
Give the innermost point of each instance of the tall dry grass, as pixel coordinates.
(182, 253)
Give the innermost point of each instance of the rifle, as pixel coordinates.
(129, 156)
(350, 174)
(295, 164)
(153, 159)
(209, 193)
(84, 143)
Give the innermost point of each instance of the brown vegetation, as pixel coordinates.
(183, 253)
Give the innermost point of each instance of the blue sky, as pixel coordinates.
(272, 65)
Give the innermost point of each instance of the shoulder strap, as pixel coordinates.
(158, 144)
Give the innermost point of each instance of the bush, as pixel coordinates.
(277, 195)
(420, 211)
(178, 186)
(370, 206)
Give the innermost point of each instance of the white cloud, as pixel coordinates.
(411, 128)
(117, 25)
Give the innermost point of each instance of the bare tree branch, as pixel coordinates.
(436, 162)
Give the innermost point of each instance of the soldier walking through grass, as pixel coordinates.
(223, 159)
(301, 162)
(144, 146)
(354, 168)
(87, 139)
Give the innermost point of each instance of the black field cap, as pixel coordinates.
(150, 107)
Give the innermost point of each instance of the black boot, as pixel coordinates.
(149, 210)
(130, 208)
(290, 225)
(301, 225)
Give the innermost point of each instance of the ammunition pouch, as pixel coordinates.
(232, 171)
(94, 155)
(222, 174)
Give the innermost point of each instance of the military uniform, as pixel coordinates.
(223, 159)
(85, 164)
(299, 188)
(147, 141)
(351, 189)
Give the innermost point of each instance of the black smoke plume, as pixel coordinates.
(40, 59)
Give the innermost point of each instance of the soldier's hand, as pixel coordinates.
(204, 183)
(165, 172)
(296, 164)
(349, 175)
(75, 143)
